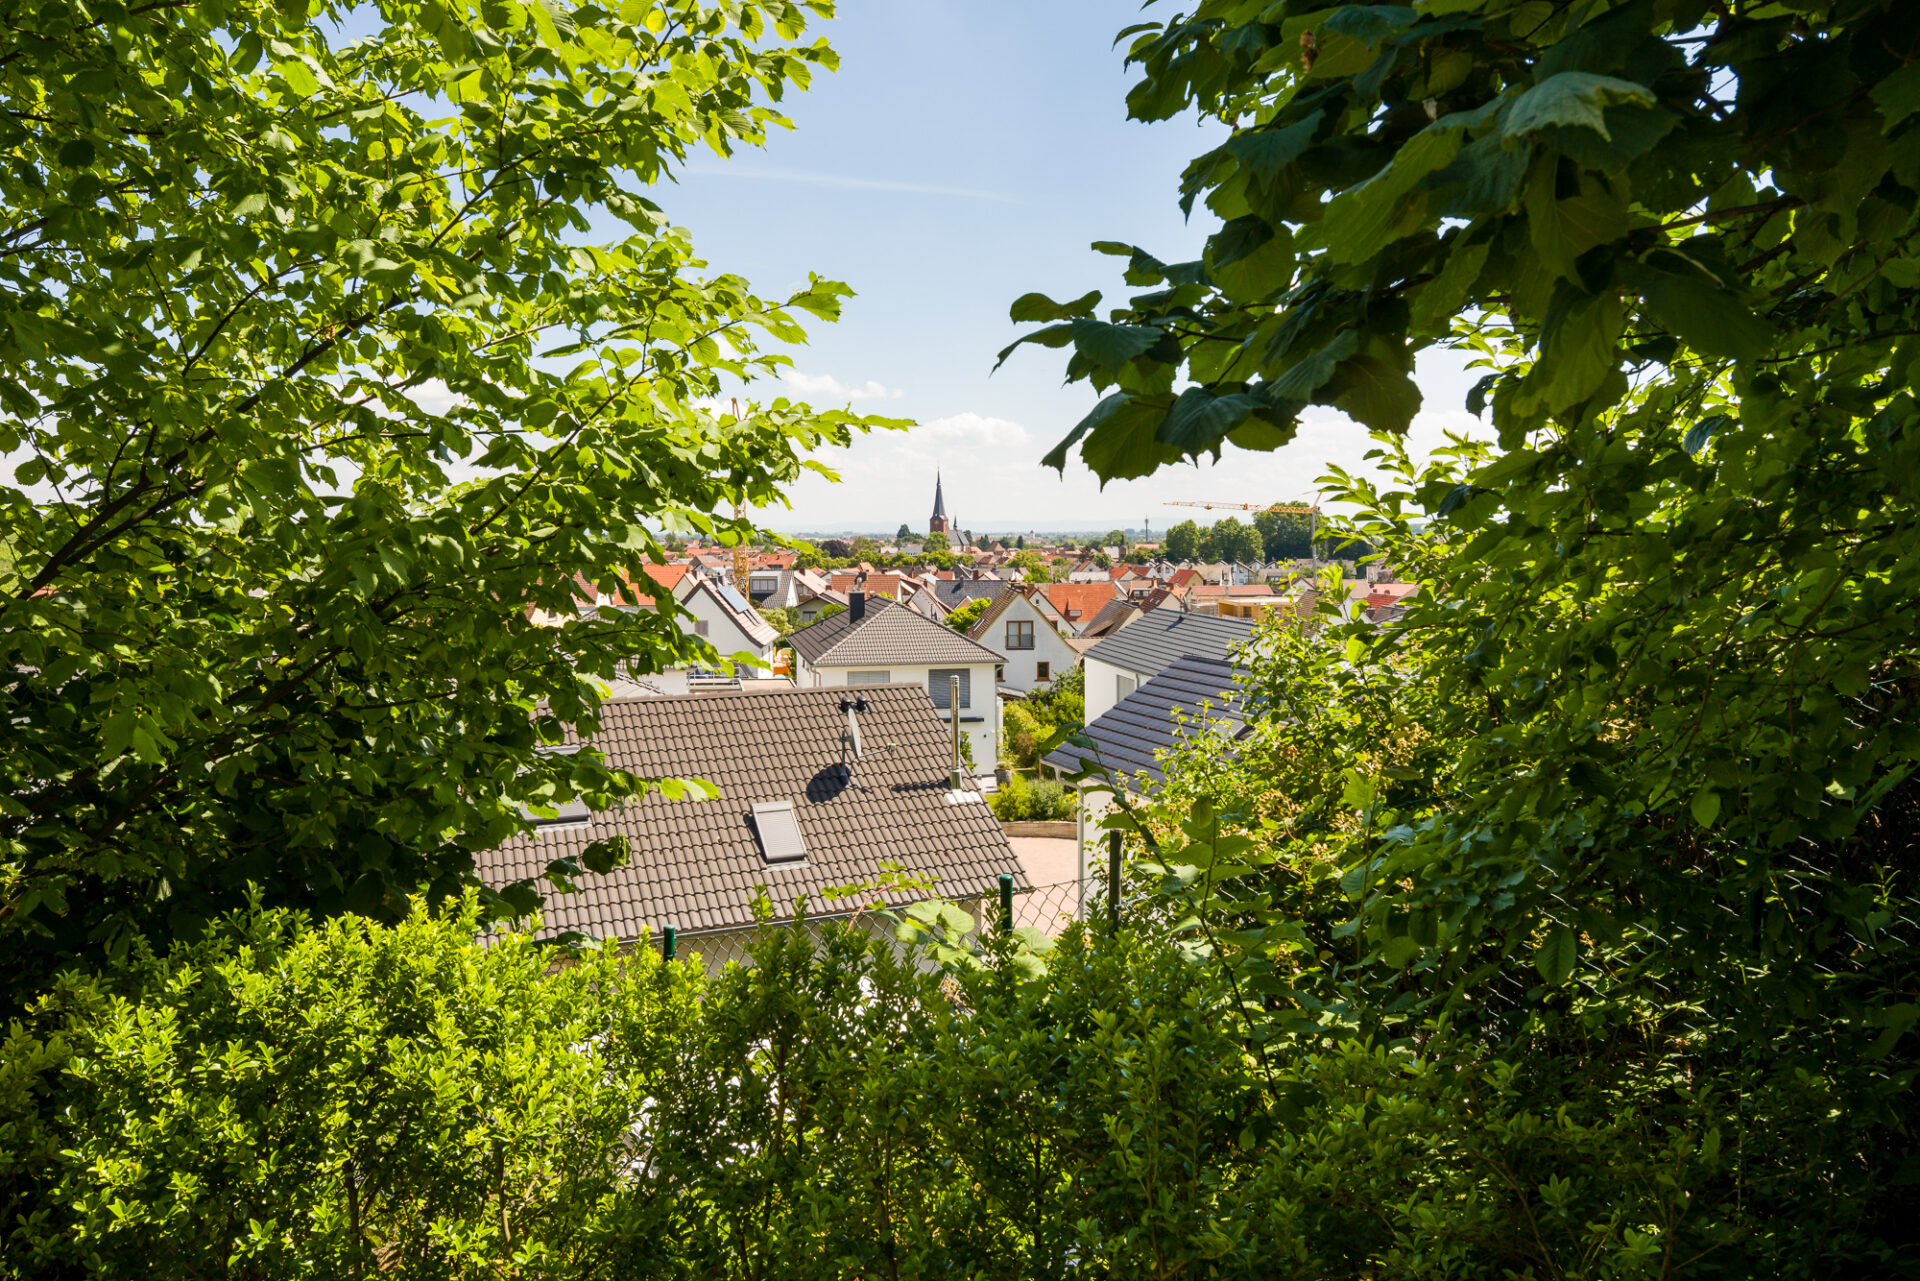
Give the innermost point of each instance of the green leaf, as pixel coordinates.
(1699, 310)
(1572, 99)
(1263, 153)
(1364, 219)
(1703, 431)
(1375, 391)
(1706, 806)
(77, 154)
(1898, 96)
(1199, 418)
(1307, 377)
(1031, 307)
(1555, 956)
(1109, 346)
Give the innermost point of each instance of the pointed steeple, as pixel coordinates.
(938, 523)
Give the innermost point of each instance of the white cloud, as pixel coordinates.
(827, 387)
(971, 430)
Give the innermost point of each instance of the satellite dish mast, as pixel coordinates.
(850, 736)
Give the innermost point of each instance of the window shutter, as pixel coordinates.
(939, 684)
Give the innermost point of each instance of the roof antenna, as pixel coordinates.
(852, 748)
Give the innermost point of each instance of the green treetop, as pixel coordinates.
(323, 404)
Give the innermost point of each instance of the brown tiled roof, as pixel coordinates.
(696, 864)
(890, 633)
(1111, 618)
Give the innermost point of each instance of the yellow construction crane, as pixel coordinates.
(1310, 510)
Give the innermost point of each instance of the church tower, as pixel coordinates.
(937, 524)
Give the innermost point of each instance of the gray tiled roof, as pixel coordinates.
(696, 863)
(955, 592)
(1128, 734)
(1153, 642)
(889, 634)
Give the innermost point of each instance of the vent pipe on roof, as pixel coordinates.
(953, 715)
(857, 599)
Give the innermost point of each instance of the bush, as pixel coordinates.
(1042, 800)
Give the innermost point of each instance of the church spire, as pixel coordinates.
(938, 523)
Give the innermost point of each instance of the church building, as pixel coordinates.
(938, 523)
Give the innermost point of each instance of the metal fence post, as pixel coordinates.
(1006, 902)
(1113, 882)
(668, 938)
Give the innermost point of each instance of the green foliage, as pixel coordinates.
(935, 542)
(1115, 538)
(346, 1099)
(1284, 535)
(904, 534)
(1621, 816)
(1183, 541)
(1033, 565)
(316, 393)
(965, 616)
(1235, 541)
(1042, 800)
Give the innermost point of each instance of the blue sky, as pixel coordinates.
(964, 154)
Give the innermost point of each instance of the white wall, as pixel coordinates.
(1022, 671)
(722, 633)
(983, 735)
(1103, 686)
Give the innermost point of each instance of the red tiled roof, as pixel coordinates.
(1080, 600)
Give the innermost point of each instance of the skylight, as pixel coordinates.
(778, 828)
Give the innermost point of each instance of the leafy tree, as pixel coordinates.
(290, 479)
(865, 549)
(836, 548)
(1284, 535)
(1033, 565)
(343, 1099)
(935, 542)
(1021, 542)
(965, 616)
(904, 534)
(1233, 540)
(1116, 538)
(1627, 799)
(1183, 541)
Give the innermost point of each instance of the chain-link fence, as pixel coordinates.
(1046, 908)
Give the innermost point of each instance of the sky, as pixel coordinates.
(965, 154)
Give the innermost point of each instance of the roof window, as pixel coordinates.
(778, 828)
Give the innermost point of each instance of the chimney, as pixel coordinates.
(857, 599)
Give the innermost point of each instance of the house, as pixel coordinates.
(1033, 650)
(1192, 696)
(1114, 615)
(879, 642)
(798, 812)
(1129, 658)
(1078, 604)
(725, 620)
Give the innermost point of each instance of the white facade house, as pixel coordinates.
(1126, 660)
(723, 618)
(879, 642)
(1033, 651)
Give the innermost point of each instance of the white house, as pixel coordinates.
(725, 620)
(1126, 744)
(880, 642)
(1033, 651)
(1129, 658)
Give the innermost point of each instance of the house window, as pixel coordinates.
(1020, 635)
(1123, 686)
(869, 678)
(1043, 671)
(940, 685)
(699, 627)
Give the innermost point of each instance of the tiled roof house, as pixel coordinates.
(878, 642)
(790, 816)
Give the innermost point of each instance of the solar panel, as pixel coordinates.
(778, 828)
(734, 598)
